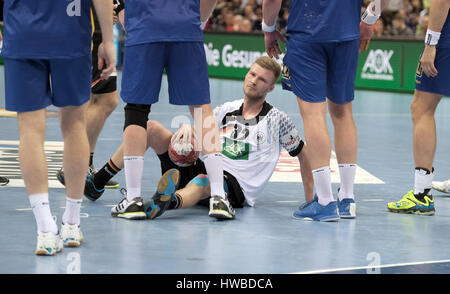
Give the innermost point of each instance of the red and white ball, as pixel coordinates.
(183, 153)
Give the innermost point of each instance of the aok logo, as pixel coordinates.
(378, 65)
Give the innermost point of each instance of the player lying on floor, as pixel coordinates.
(252, 132)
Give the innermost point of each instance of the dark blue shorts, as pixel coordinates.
(184, 63)
(317, 71)
(33, 84)
(441, 83)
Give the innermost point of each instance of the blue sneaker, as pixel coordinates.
(167, 186)
(347, 208)
(314, 211)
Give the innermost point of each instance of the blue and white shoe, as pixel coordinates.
(316, 212)
(347, 208)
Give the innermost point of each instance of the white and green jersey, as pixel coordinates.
(251, 148)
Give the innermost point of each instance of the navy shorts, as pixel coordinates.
(317, 71)
(33, 84)
(184, 63)
(441, 83)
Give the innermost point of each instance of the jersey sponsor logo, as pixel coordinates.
(377, 65)
(235, 150)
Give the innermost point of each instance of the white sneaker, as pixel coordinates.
(443, 187)
(48, 244)
(129, 210)
(71, 235)
(220, 208)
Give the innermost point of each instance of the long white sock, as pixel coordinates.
(214, 169)
(347, 173)
(71, 215)
(41, 210)
(134, 167)
(322, 182)
(422, 180)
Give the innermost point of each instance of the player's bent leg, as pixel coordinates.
(158, 137)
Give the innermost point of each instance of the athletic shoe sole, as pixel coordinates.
(221, 214)
(413, 211)
(167, 185)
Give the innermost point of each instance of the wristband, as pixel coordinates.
(369, 17)
(267, 28)
(432, 37)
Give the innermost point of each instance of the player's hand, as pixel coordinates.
(271, 41)
(365, 32)
(183, 135)
(106, 59)
(115, 17)
(427, 61)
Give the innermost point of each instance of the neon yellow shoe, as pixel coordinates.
(410, 204)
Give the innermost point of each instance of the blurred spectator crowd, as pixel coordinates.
(401, 18)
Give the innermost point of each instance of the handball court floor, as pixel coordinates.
(264, 239)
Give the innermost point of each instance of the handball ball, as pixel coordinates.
(183, 153)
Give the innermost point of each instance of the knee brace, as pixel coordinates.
(136, 114)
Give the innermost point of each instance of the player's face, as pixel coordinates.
(258, 82)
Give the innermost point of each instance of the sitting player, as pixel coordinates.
(253, 133)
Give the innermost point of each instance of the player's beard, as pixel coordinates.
(253, 94)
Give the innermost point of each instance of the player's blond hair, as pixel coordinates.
(269, 64)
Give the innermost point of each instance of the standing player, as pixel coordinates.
(432, 83)
(45, 43)
(104, 99)
(323, 38)
(166, 35)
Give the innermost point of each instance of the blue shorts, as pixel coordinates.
(185, 65)
(317, 71)
(33, 84)
(441, 83)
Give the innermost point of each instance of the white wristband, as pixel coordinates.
(432, 37)
(267, 28)
(203, 24)
(369, 17)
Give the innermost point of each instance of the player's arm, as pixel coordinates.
(206, 8)
(106, 50)
(438, 14)
(306, 173)
(369, 17)
(270, 9)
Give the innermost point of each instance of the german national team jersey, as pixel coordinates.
(148, 21)
(444, 40)
(251, 148)
(324, 20)
(47, 29)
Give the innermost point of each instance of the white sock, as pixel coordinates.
(41, 210)
(214, 169)
(422, 180)
(322, 181)
(134, 167)
(347, 173)
(71, 215)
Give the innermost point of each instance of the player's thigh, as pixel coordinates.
(143, 68)
(187, 73)
(71, 81)
(441, 83)
(27, 84)
(342, 66)
(304, 70)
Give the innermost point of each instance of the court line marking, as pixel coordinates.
(372, 267)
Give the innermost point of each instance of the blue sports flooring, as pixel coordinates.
(264, 239)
